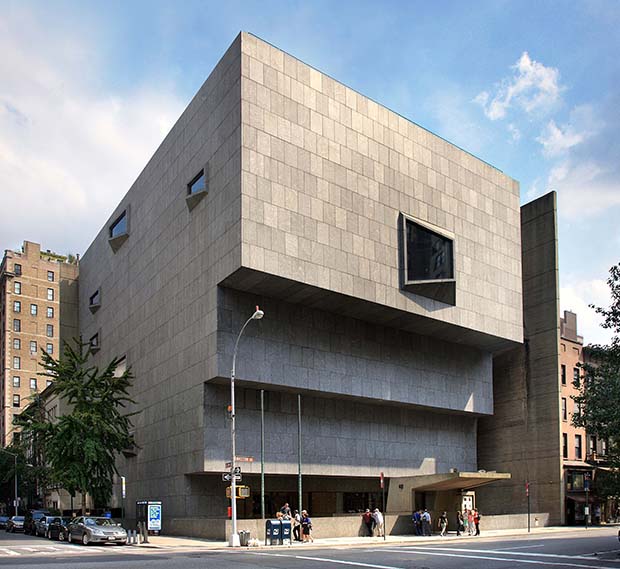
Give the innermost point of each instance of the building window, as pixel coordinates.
(50, 312)
(604, 447)
(17, 325)
(591, 445)
(50, 276)
(198, 184)
(17, 344)
(576, 377)
(48, 382)
(564, 445)
(17, 269)
(49, 331)
(94, 343)
(16, 401)
(33, 347)
(578, 447)
(119, 227)
(33, 383)
(49, 348)
(16, 381)
(34, 309)
(17, 306)
(429, 261)
(50, 294)
(94, 302)
(563, 374)
(564, 413)
(17, 362)
(17, 287)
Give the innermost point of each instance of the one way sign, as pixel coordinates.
(227, 477)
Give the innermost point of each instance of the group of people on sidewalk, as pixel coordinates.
(467, 523)
(302, 524)
(374, 522)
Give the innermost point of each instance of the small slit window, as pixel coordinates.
(197, 189)
(118, 231)
(94, 302)
(94, 343)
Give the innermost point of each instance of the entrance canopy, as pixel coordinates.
(454, 480)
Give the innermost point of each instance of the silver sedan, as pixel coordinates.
(89, 529)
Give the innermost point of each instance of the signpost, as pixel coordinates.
(123, 496)
(383, 501)
(527, 493)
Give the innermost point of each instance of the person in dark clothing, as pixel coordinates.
(417, 522)
(369, 522)
(477, 521)
(459, 523)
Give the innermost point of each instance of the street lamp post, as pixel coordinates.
(14, 458)
(234, 536)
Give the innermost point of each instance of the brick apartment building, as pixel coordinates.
(38, 308)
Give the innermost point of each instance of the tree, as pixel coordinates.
(599, 396)
(81, 445)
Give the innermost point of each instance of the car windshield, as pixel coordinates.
(100, 522)
(18, 518)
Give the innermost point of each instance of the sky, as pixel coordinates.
(88, 90)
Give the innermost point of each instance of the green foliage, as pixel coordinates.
(599, 396)
(81, 445)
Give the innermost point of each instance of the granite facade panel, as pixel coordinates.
(325, 173)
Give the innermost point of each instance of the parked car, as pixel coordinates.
(3, 521)
(31, 518)
(41, 525)
(57, 528)
(89, 529)
(16, 523)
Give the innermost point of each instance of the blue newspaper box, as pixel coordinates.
(286, 532)
(273, 532)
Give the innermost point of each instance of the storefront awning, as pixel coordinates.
(577, 498)
(454, 480)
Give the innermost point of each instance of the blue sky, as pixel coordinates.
(89, 89)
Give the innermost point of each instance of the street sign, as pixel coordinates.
(244, 459)
(228, 465)
(227, 477)
(382, 480)
(237, 470)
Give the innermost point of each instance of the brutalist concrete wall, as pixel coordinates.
(523, 435)
(311, 350)
(69, 302)
(158, 291)
(340, 437)
(326, 174)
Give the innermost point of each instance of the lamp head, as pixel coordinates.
(258, 314)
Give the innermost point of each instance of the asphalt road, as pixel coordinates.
(592, 548)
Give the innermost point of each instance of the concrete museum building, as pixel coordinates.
(387, 262)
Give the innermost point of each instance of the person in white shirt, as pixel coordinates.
(378, 517)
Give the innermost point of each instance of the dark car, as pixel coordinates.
(57, 528)
(3, 520)
(89, 529)
(41, 525)
(16, 523)
(31, 518)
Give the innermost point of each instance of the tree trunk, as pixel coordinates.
(83, 502)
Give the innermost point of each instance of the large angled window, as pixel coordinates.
(428, 257)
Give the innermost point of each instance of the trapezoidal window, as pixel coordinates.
(428, 259)
(118, 231)
(197, 189)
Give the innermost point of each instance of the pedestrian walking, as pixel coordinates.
(443, 524)
(306, 527)
(368, 521)
(297, 526)
(470, 522)
(460, 528)
(465, 521)
(477, 517)
(377, 516)
(426, 523)
(417, 522)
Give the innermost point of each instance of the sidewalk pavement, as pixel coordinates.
(195, 543)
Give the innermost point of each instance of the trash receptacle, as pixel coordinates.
(244, 538)
(273, 532)
(286, 532)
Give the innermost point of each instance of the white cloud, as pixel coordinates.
(515, 133)
(65, 137)
(584, 188)
(576, 295)
(532, 87)
(558, 140)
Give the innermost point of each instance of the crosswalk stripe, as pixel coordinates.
(8, 551)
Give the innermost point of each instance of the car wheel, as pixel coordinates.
(61, 536)
(85, 540)
(69, 540)
(49, 534)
